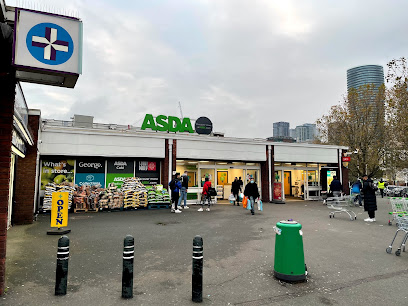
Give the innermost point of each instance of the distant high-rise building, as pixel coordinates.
(281, 129)
(367, 75)
(292, 133)
(363, 75)
(306, 132)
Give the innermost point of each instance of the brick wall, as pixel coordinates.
(24, 195)
(165, 165)
(7, 89)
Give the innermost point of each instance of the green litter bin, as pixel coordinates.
(289, 256)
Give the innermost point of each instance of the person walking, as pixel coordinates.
(381, 187)
(370, 200)
(183, 190)
(356, 190)
(251, 191)
(175, 186)
(205, 195)
(240, 183)
(235, 190)
(335, 187)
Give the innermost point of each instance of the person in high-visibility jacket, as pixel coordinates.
(381, 187)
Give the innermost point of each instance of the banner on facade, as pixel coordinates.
(148, 171)
(57, 171)
(277, 191)
(59, 209)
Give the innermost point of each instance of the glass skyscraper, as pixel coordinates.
(363, 75)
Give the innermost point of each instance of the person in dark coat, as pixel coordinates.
(370, 200)
(251, 191)
(335, 187)
(235, 189)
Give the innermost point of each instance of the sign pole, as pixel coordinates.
(59, 213)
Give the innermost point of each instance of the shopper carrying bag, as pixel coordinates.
(260, 205)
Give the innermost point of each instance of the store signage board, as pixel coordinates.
(90, 179)
(57, 171)
(346, 158)
(148, 171)
(204, 126)
(59, 209)
(163, 123)
(47, 48)
(277, 191)
(120, 166)
(117, 178)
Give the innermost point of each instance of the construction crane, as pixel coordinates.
(181, 111)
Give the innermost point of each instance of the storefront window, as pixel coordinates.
(312, 178)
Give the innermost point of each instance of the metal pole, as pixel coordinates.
(197, 273)
(62, 266)
(270, 172)
(127, 274)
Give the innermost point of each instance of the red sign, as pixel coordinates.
(151, 166)
(277, 191)
(346, 158)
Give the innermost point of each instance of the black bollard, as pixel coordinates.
(197, 273)
(62, 266)
(127, 275)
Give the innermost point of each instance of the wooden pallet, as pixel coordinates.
(158, 206)
(76, 210)
(93, 210)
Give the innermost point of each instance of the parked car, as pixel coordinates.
(392, 191)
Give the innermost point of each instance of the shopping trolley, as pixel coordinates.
(399, 206)
(402, 223)
(341, 204)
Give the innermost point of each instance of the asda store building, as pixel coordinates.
(87, 153)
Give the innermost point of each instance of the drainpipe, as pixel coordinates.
(170, 160)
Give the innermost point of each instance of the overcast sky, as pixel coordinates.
(243, 63)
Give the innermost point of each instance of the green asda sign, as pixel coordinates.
(117, 178)
(164, 124)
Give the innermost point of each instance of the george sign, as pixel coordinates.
(59, 209)
(94, 165)
(169, 124)
(203, 126)
(47, 48)
(277, 191)
(346, 158)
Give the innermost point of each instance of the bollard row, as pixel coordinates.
(127, 272)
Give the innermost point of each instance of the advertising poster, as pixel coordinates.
(148, 171)
(277, 191)
(90, 172)
(118, 170)
(330, 176)
(57, 171)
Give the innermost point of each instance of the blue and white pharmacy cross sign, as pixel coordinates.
(48, 42)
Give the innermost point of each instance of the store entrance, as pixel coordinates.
(287, 178)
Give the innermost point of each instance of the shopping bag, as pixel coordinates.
(260, 205)
(241, 196)
(249, 205)
(231, 197)
(244, 201)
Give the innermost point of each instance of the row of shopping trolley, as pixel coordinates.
(399, 215)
